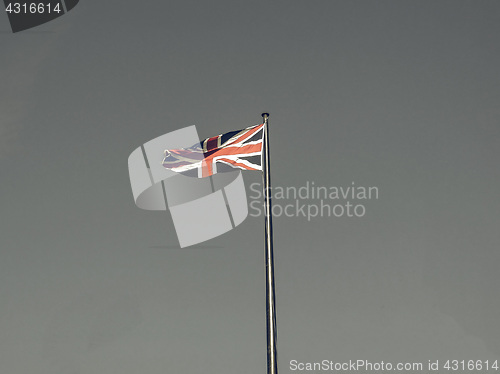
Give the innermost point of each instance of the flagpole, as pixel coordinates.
(272, 363)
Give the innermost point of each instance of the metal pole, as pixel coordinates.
(272, 363)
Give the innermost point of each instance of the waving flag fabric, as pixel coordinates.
(241, 149)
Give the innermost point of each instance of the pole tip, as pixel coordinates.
(265, 115)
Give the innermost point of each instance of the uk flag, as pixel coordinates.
(241, 149)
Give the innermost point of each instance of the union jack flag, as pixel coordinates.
(241, 149)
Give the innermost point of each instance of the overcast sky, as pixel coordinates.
(402, 96)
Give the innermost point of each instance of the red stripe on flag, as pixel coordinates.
(236, 163)
(236, 150)
(212, 143)
(206, 168)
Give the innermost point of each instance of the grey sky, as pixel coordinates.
(399, 95)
